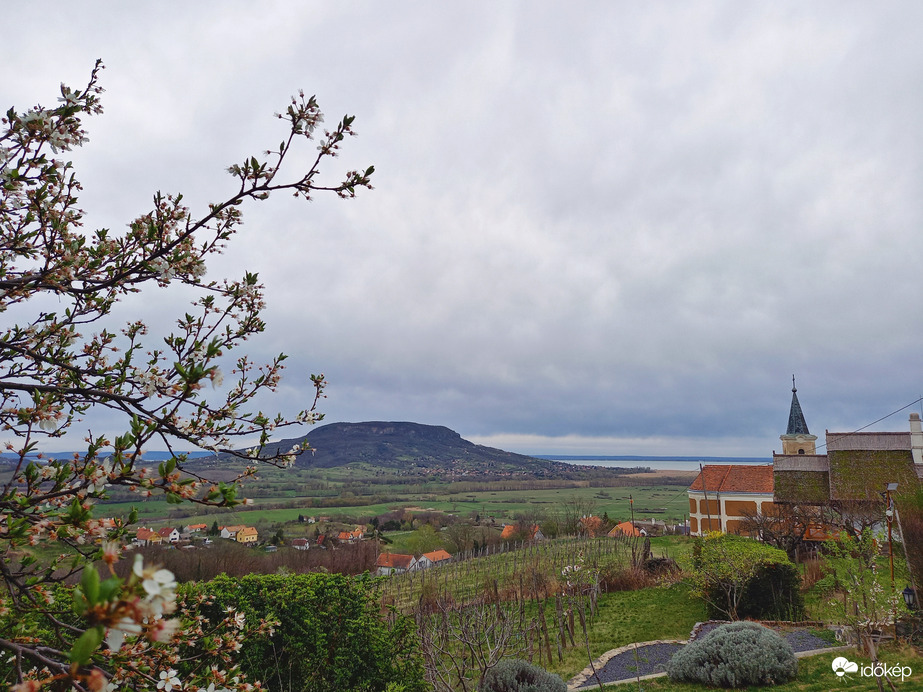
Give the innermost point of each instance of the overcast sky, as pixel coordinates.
(598, 227)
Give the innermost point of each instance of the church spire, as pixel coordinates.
(797, 438)
(796, 422)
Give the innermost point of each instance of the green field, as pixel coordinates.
(502, 505)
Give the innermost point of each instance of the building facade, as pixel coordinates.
(724, 497)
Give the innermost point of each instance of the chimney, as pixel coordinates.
(916, 438)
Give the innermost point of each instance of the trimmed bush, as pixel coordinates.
(742, 578)
(331, 634)
(515, 675)
(735, 655)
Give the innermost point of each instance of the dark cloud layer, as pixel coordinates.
(621, 226)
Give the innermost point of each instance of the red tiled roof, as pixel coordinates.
(626, 527)
(437, 555)
(510, 530)
(394, 560)
(165, 532)
(734, 478)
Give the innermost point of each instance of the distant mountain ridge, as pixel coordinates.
(401, 445)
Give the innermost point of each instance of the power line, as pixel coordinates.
(840, 437)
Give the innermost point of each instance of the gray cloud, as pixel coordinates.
(612, 221)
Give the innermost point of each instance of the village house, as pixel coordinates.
(437, 556)
(195, 528)
(722, 497)
(169, 535)
(393, 563)
(432, 558)
(533, 533)
(247, 535)
(351, 536)
(230, 532)
(300, 543)
(651, 527)
(626, 528)
(145, 536)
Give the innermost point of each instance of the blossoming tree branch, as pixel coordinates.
(63, 357)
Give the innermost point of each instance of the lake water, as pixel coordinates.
(653, 463)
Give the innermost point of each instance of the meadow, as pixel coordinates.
(282, 496)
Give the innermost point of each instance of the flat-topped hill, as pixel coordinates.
(406, 446)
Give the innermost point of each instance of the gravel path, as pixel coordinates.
(652, 658)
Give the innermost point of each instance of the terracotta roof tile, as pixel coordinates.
(626, 528)
(394, 560)
(734, 478)
(437, 555)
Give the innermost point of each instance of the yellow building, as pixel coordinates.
(247, 534)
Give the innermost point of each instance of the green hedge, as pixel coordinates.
(744, 578)
(331, 636)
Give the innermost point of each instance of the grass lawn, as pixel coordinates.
(625, 617)
(677, 547)
(815, 674)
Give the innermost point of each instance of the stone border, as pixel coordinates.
(814, 652)
(600, 662)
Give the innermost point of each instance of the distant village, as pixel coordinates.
(728, 498)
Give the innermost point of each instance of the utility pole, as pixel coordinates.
(889, 515)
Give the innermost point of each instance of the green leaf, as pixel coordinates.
(80, 602)
(84, 647)
(89, 582)
(109, 588)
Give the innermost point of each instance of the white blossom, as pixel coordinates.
(116, 634)
(48, 424)
(168, 680)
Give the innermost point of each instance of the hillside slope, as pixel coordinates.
(404, 446)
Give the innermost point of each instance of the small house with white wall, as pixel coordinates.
(722, 497)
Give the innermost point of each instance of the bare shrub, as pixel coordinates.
(814, 571)
(618, 578)
(236, 560)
